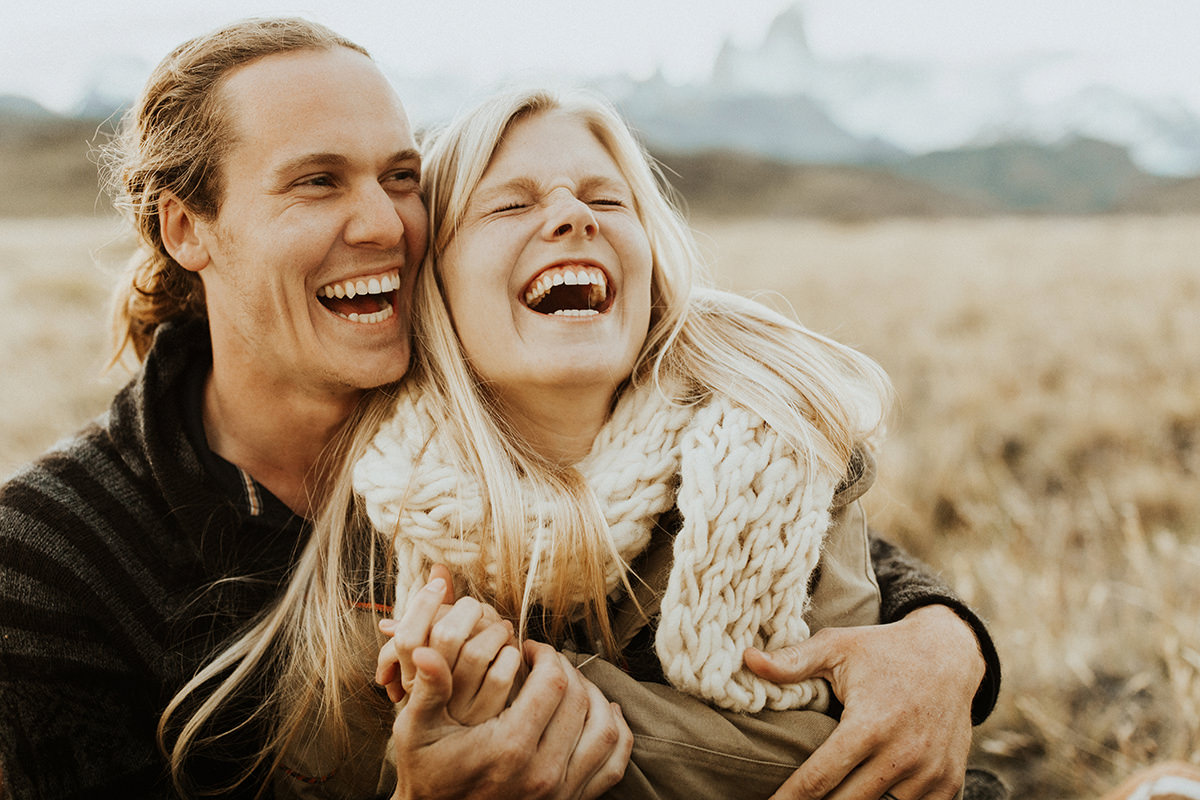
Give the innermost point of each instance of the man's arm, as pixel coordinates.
(906, 584)
(76, 713)
(910, 688)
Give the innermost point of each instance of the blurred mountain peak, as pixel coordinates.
(789, 31)
(20, 107)
(921, 106)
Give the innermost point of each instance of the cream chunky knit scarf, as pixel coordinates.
(753, 519)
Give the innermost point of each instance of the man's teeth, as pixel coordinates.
(377, 316)
(388, 283)
(335, 297)
(578, 276)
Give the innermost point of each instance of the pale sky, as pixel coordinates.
(50, 50)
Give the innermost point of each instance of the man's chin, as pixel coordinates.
(380, 370)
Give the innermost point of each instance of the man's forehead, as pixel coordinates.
(298, 102)
(297, 69)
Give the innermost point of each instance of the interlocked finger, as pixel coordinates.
(487, 666)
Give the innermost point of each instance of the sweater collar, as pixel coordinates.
(162, 408)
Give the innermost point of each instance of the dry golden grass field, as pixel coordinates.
(1045, 456)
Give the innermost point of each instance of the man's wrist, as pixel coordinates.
(959, 637)
(963, 632)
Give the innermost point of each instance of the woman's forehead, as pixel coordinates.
(550, 143)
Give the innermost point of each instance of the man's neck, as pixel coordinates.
(277, 434)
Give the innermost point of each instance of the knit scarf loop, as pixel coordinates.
(753, 520)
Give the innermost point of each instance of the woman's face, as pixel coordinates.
(548, 277)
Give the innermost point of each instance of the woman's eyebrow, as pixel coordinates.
(604, 182)
(522, 185)
(526, 186)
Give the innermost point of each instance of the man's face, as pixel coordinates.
(321, 227)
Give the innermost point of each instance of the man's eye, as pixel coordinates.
(404, 176)
(317, 180)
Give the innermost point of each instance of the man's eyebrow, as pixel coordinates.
(407, 154)
(309, 160)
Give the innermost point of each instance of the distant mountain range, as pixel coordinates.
(779, 98)
(48, 161)
(50, 168)
(778, 130)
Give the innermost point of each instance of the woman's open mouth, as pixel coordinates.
(575, 290)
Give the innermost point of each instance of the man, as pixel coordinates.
(274, 184)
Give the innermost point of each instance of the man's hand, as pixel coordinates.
(907, 689)
(560, 738)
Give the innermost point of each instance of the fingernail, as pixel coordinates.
(437, 585)
(387, 624)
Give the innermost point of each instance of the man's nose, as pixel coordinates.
(374, 219)
(567, 215)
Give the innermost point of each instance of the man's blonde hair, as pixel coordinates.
(174, 139)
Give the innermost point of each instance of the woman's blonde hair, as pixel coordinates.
(174, 139)
(824, 397)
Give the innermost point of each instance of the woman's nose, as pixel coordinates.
(569, 216)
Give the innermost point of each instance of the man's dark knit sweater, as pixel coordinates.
(110, 549)
(113, 548)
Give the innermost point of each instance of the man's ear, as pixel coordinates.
(184, 234)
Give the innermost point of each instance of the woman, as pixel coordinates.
(574, 403)
(603, 393)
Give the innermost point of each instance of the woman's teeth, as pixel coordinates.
(568, 291)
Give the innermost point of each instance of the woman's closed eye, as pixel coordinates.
(514, 205)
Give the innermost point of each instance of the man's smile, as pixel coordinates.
(363, 300)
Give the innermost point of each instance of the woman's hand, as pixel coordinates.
(559, 739)
(470, 636)
(907, 689)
